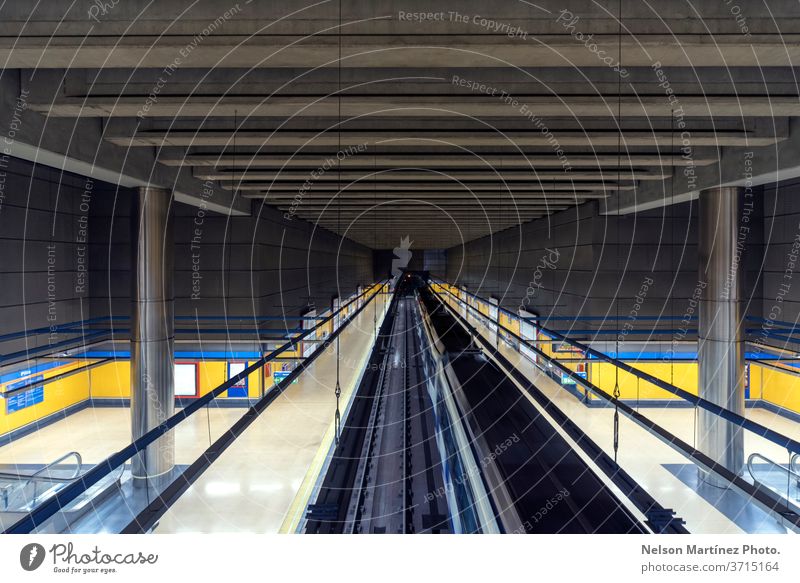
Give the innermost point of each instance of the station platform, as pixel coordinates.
(667, 475)
(268, 473)
(264, 481)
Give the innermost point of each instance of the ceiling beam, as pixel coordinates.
(426, 204)
(429, 212)
(467, 50)
(367, 161)
(443, 105)
(333, 214)
(413, 189)
(447, 197)
(333, 175)
(568, 138)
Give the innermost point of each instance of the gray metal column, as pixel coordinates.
(152, 331)
(720, 337)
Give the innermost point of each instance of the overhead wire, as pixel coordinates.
(617, 391)
(338, 390)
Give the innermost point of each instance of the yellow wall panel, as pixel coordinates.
(210, 374)
(682, 375)
(513, 326)
(777, 387)
(756, 379)
(111, 381)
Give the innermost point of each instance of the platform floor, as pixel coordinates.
(251, 487)
(262, 482)
(270, 469)
(98, 432)
(654, 464)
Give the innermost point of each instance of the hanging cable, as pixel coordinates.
(337, 421)
(469, 235)
(619, 167)
(375, 231)
(236, 188)
(672, 243)
(499, 255)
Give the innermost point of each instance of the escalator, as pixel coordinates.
(540, 484)
(439, 439)
(21, 492)
(386, 474)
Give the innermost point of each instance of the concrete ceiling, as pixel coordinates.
(451, 120)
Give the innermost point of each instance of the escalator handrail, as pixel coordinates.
(53, 505)
(766, 501)
(78, 464)
(147, 519)
(788, 470)
(486, 515)
(25, 479)
(769, 434)
(36, 477)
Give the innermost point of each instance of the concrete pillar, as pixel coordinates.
(720, 331)
(152, 331)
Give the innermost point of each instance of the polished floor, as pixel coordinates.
(266, 476)
(252, 486)
(651, 461)
(263, 482)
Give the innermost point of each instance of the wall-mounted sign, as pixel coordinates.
(24, 399)
(22, 383)
(239, 390)
(568, 380)
(279, 375)
(565, 348)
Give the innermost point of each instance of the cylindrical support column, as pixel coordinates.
(152, 331)
(720, 338)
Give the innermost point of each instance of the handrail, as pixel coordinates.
(765, 501)
(788, 470)
(658, 518)
(50, 479)
(34, 477)
(70, 492)
(795, 372)
(75, 454)
(775, 437)
(149, 517)
(611, 317)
